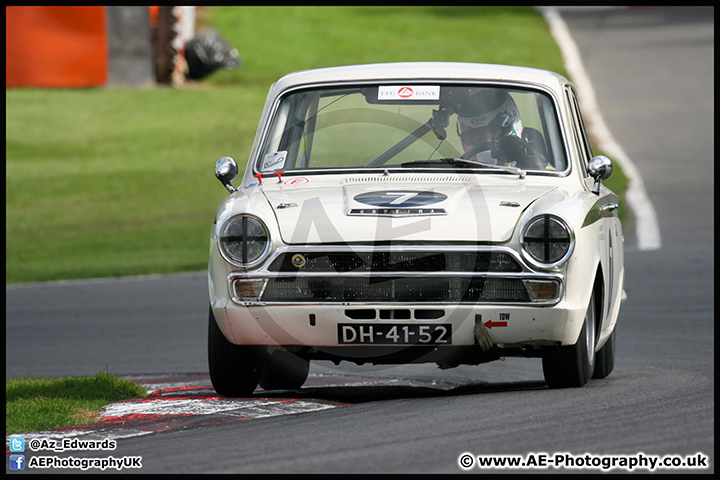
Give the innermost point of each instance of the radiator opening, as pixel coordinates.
(361, 314)
(429, 314)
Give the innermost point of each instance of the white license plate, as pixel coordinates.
(394, 334)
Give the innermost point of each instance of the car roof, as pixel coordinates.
(423, 71)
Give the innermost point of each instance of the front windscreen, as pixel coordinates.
(414, 126)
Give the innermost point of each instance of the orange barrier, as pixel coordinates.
(55, 46)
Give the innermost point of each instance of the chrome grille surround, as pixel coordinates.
(417, 274)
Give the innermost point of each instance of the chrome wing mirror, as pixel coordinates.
(226, 170)
(600, 168)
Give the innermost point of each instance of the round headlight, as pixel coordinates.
(547, 241)
(244, 241)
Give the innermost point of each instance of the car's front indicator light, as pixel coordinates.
(543, 290)
(247, 290)
(244, 241)
(547, 241)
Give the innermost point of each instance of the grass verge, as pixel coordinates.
(38, 404)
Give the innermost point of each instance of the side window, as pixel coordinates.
(579, 131)
(540, 126)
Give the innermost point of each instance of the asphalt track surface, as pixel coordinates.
(652, 71)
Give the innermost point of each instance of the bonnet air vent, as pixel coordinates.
(409, 179)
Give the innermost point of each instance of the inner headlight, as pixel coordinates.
(244, 241)
(547, 241)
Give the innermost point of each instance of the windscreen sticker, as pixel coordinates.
(417, 92)
(274, 161)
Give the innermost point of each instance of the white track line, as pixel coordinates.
(647, 229)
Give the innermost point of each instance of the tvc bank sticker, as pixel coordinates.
(404, 92)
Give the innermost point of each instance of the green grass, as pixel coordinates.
(117, 182)
(38, 404)
(276, 40)
(112, 182)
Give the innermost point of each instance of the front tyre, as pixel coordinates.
(572, 366)
(232, 367)
(283, 370)
(605, 360)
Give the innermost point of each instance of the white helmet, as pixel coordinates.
(489, 107)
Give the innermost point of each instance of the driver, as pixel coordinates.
(491, 131)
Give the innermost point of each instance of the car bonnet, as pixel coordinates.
(456, 208)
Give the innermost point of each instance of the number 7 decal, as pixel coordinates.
(402, 197)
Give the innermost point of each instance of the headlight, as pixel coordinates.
(547, 241)
(244, 241)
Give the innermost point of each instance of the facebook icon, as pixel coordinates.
(17, 462)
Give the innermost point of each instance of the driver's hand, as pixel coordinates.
(513, 150)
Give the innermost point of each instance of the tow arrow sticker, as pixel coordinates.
(504, 317)
(490, 324)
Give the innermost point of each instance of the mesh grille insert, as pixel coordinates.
(376, 262)
(394, 289)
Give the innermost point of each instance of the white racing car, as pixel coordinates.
(415, 212)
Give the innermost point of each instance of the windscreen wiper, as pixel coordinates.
(465, 162)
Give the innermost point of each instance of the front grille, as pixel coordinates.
(395, 289)
(401, 274)
(378, 261)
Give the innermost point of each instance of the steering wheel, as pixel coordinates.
(476, 149)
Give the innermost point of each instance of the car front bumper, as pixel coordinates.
(502, 306)
(503, 326)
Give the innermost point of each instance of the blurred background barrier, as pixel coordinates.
(95, 46)
(55, 46)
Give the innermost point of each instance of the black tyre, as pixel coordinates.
(605, 359)
(283, 370)
(232, 367)
(572, 366)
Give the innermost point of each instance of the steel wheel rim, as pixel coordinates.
(590, 332)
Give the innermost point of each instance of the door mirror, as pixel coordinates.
(600, 168)
(226, 170)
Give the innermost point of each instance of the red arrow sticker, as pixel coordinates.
(490, 324)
